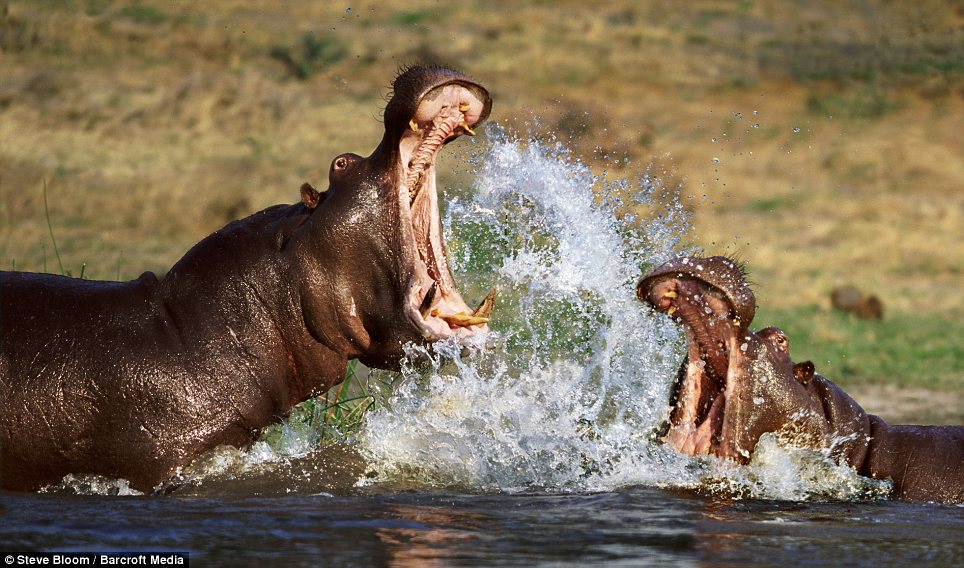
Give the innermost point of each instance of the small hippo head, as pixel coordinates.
(735, 384)
(372, 259)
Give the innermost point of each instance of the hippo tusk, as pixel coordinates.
(485, 308)
(413, 125)
(460, 319)
(466, 128)
(426, 304)
(464, 107)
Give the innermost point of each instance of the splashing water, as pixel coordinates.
(573, 395)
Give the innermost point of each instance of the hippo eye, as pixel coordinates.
(344, 162)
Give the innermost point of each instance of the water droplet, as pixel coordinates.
(796, 129)
(716, 160)
(758, 400)
(348, 10)
(744, 346)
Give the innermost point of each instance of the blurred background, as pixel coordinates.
(820, 141)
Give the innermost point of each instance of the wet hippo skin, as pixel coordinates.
(135, 379)
(737, 385)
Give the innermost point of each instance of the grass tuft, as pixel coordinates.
(865, 104)
(315, 54)
(143, 14)
(53, 239)
(334, 416)
(410, 18)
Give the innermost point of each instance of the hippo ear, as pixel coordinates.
(310, 196)
(804, 371)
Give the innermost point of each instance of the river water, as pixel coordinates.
(633, 527)
(534, 445)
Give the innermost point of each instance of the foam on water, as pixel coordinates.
(87, 484)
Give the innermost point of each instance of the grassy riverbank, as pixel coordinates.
(820, 143)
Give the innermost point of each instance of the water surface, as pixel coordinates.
(633, 527)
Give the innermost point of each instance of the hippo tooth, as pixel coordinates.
(426, 304)
(466, 128)
(485, 308)
(464, 107)
(671, 294)
(413, 191)
(671, 310)
(413, 125)
(460, 319)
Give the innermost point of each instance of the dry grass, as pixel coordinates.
(836, 126)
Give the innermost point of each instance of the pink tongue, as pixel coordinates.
(704, 434)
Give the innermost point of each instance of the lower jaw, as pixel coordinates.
(699, 436)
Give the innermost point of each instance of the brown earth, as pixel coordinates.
(898, 405)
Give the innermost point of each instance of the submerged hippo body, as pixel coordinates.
(135, 379)
(737, 385)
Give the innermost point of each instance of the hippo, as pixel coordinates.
(135, 379)
(736, 385)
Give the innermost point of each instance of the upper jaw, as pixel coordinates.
(432, 299)
(724, 276)
(709, 319)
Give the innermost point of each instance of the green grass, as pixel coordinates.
(315, 53)
(768, 204)
(333, 416)
(144, 14)
(50, 227)
(909, 350)
(411, 18)
(863, 104)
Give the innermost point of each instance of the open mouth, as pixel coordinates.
(443, 114)
(708, 297)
